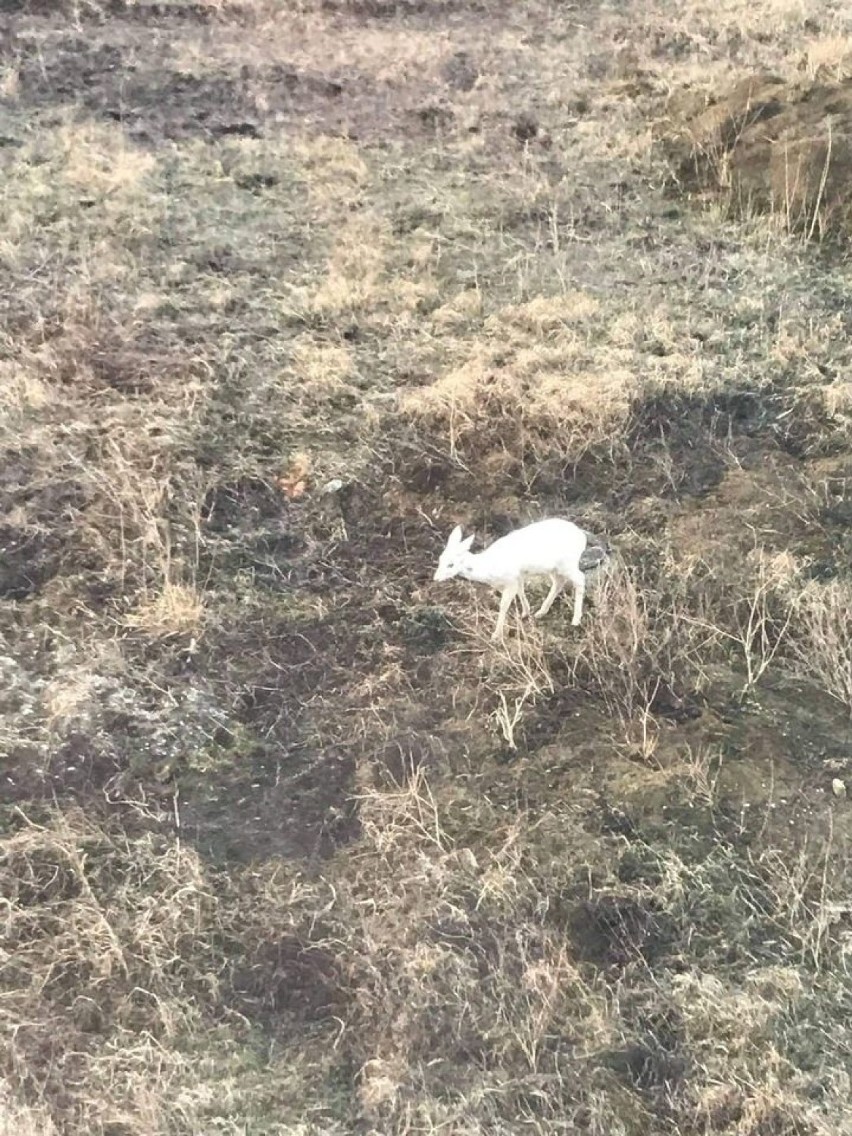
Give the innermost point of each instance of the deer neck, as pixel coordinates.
(479, 570)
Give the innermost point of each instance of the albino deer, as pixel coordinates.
(554, 547)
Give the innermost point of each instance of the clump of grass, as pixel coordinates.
(527, 388)
(820, 639)
(645, 635)
(175, 608)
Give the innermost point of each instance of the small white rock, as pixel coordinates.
(333, 486)
(838, 787)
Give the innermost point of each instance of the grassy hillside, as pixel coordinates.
(287, 845)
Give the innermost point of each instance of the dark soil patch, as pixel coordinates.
(233, 508)
(273, 802)
(429, 9)
(679, 448)
(460, 71)
(166, 12)
(289, 980)
(127, 9)
(403, 755)
(33, 551)
(132, 86)
(249, 523)
(87, 768)
(301, 682)
(27, 561)
(690, 431)
(119, 85)
(788, 721)
(617, 930)
(281, 778)
(655, 1061)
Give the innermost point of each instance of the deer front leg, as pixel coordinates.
(525, 603)
(505, 603)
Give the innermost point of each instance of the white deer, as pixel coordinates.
(554, 547)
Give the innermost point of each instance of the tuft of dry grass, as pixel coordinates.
(89, 912)
(527, 388)
(175, 609)
(820, 630)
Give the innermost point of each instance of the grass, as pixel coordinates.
(286, 844)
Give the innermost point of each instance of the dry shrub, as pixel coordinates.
(821, 637)
(828, 58)
(129, 491)
(698, 770)
(806, 884)
(646, 639)
(758, 614)
(516, 677)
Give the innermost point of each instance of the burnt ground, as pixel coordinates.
(288, 845)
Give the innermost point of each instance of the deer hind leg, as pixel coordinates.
(505, 602)
(578, 579)
(556, 586)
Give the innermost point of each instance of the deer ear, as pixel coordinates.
(455, 537)
(465, 544)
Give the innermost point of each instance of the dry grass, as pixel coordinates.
(821, 641)
(646, 637)
(176, 609)
(287, 846)
(75, 931)
(526, 387)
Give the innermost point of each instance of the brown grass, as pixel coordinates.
(821, 643)
(286, 844)
(526, 387)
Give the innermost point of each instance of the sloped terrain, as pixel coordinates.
(772, 146)
(287, 845)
